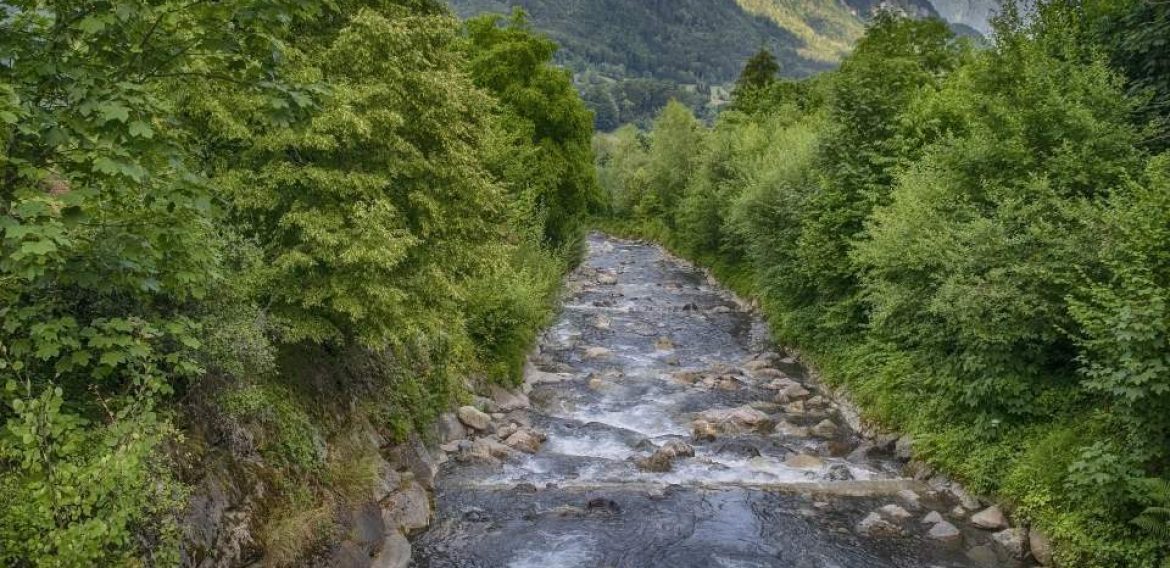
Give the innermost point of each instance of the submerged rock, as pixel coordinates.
(910, 498)
(894, 512)
(597, 353)
(944, 532)
(737, 448)
(703, 430)
(874, 526)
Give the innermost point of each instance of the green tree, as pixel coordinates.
(549, 166)
(106, 243)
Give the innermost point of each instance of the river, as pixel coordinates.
(644, 346)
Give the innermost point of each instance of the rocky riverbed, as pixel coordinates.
(659, 426)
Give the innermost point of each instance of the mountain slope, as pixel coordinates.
(629, 57)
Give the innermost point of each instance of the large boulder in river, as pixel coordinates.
(474, 418)
(734, 420)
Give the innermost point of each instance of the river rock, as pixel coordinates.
(507, 430)
(825, 429)
(785, 428)
(474, 418)
(795, 392)
(416, 458)
(756, 364)
(606, 279)
(450, 428)
(839, 472)
(388, 479)
(904, 448)
(736, 447)
(983, 555)
(703, 430)
(894, 512)
(1041, 547)
(735, 420)
(728, 383)
(395, 552)
(910, 498)
(526, 440)
(662, 459)
(932, 518)
(991, 518)
(966, 499)
(602, 322)
(873, 525)
(686, 377)
(766, 373)
(663, 344)
(507, 401)
(534, 376)
(485, 451)
(795, 408)
(597, 353)
(349, 554)
(804, 461)
(944, 532)
(862, 453)
(407, 509)
(1014, 542)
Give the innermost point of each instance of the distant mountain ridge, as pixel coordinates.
(629, 57)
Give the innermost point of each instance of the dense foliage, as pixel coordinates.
(208, 204)
(974, 240)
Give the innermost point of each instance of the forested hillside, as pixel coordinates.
(974, 241)
(630, 58)
(251, 236)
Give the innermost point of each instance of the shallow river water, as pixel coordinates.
(643, 345)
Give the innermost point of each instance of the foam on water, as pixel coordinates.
(550, 550)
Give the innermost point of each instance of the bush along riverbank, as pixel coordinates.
(970, 240)
(250, 252)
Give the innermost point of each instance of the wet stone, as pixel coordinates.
(991, 518)
(944, 532)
